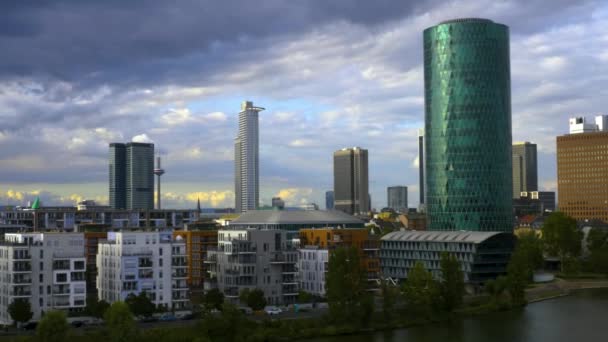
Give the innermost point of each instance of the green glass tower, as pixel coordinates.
(468, 126)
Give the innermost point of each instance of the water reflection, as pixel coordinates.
(580, 317)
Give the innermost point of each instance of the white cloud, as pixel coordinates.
(142, 138)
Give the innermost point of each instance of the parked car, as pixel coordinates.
(77, 324)
(187, 317)
(246, 310)
(148, 319)
(29, 326)
(272, 310)
(167, 317)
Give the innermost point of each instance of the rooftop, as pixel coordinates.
(440, 236)
(329, 217)
(466, 20)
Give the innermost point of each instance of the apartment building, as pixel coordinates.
(316, 246)
(47, 269)
(198, 243)
(69, 218)
(145, 261)
(254, 259)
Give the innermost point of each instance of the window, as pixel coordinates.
(61, 277)
(41, 254)
(41, 278)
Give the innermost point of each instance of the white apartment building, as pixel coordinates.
(47, 269)
(151, 262)
(255, 259)
(312, 267)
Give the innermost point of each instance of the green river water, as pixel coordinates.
(581, 317)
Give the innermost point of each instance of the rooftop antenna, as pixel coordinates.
(158, 171)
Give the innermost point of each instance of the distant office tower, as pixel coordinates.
(351, 181)
(246, 159)
(582, 171)
(545, 199)
(140, 175)
(580, 124)
(278, 203)
(421, 163)
(525, 169)
(397, 198)
(468, 126)
(329, 200)
(118, 176)
(132, 176)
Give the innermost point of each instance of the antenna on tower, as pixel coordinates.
(158, 171)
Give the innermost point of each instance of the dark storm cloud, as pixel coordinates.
(107, 41)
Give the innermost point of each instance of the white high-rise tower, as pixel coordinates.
(246, 159)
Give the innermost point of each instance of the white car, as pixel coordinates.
(272, 310)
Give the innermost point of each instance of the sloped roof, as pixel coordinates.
(36, 204)
(329, 217)
(440, 236)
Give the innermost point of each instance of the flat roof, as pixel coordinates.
(440, 236)
(261, 217)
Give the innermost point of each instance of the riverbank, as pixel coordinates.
(302, 328)
(562, 287)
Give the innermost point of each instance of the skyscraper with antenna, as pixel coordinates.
(158, 171)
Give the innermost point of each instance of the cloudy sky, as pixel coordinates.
(76, 75)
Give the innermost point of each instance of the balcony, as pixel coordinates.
(22, 266)
(145, 263)
(211, 259)
(21, 279)
(21, 292)
(179, 262)
(61, 303)
(61, 290)
(278, 258)
(231, 292)
(61, 265)
(180, 273)
(21, 255)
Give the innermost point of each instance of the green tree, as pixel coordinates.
(244, 296)
(96, 308)
(53, 327)
(420, 291)
(517, 278)
(452, 282)
(230, 326)
(256, 300)
(390, 293)
(346, 286)
(213, 299)
(532, 246)
(140, 305)
(304, 297)
(20, 310)
(496, 287)
(561, 237)
(597, 244)
(120, 323)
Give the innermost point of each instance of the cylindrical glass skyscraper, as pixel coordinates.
(468, 126)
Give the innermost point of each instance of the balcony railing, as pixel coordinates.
(179, 274)
(18, 280)
(21, 293)
(22, 267)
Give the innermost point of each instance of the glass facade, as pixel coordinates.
(468, 126)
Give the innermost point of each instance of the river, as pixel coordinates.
(580, 317)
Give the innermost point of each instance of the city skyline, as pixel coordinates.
(372, 91)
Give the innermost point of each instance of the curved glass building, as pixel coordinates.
(468, 126)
